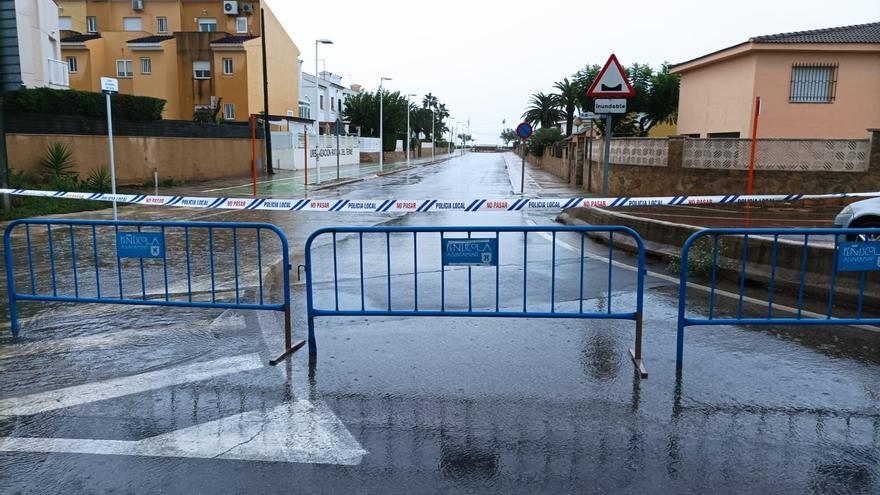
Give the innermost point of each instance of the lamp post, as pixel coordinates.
(318, 112)
(381, 124)
(408, 128)
(433, 140)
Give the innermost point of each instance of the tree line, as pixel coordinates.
(655, 102)
(362, 111)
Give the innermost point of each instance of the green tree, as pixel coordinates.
(543, 137)
(362, 111)
(567, 98)
(508, 135)
(543, 110)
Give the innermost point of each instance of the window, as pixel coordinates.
(227, 66)
(64, 23)
(92, 24)
(207, 24)
(162, 24)
(132, 24)
(146, 65)
(201, 70)
(71, 64)
(332, 102)
(339, 104)
(813, 83)
(241, 25)
(124, 69)
(229, 111)
(322, 102)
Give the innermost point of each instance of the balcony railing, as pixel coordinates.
(57, 76)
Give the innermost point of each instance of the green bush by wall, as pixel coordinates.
(72, 102)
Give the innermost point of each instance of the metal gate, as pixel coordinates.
(770, 274)
(178, 264)
(377, 271)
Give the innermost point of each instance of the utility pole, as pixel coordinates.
(266, 130)
(4, 164)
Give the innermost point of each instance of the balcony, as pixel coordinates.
(57, 76)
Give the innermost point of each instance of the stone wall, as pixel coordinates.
(645, 168)
(397, 156)
(558, 166)
(181, 159)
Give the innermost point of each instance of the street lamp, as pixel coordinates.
(318, 112)
(408, 129)
(433, 140)
(381, 124)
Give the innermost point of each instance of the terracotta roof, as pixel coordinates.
(232, 40)
(858, 33)
(151, 39)
(80, 38)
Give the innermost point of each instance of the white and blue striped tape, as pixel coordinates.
(423, 205)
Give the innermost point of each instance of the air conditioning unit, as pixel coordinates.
(230, 7)
(248, 8)
(137, 4)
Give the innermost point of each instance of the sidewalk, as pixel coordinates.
(291, 183)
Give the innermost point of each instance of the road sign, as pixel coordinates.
(588, 116)
(858, 257)
(140, 244)
(611, 82)
(470, 252)
(109, 85)
(604, 105)
(524, 130)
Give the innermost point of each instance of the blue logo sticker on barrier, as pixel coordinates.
(140, 244)
(858, 257)
(470, 252)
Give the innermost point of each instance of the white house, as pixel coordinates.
(332, 95)
(30, 47)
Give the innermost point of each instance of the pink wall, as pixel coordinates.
(717, 98)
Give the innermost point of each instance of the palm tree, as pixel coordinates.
(429, 101)
(567, 98)
(544, 110)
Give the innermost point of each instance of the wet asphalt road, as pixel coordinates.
(142, 400)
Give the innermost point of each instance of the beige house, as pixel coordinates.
(191, 53)
(823, 83)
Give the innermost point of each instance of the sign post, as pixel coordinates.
(612, 86)
(110, 86)
(524, 131)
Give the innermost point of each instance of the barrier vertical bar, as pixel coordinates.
(498, 273)
(553, 275)
(165, 264)
(361, 236)
(118, 260)
(335, 274)
(73, 261)
(52, 259)
(143, 278)
(260, 262)
(803, 275)
(640, 302)
(581, 290)
(388, 259)
(610, 266)
(525, 269)
(442, 278)
(189, 288)
(310, 312)
(415, 269)
(772, 289)
(833, 279)
(211, 256)
(714, 277)
(235, 261)
(27, 235)
(742, 276)
(682, 297)
(861, 295)
(97, 264)
(10, 279)
(470, 286)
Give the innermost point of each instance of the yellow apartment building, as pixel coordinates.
(191, 53)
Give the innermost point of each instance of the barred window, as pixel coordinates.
(813, 83)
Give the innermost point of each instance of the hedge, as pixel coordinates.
(72, 102)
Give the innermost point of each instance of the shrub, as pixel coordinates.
(58, 165)
(542, 138)
(99, 180)
(700, 258)
(84, 103)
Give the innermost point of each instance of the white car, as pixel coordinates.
(861, 215)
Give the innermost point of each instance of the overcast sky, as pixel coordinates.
(483, 58)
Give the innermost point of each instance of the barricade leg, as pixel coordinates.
(313, 345)
(636, 352)
(679, 349)
(10, 286)
(289, 346)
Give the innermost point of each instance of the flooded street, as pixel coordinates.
(101, 398)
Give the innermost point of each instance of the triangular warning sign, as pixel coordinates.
(611, 82)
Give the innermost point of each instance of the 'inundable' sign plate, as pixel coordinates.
(858, 257)
(140, 245)
(470, 252)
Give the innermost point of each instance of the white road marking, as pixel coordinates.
(118, 387)
(300, 432)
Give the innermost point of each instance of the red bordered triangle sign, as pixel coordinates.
(611, 82)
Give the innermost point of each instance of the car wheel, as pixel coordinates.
(866, 224)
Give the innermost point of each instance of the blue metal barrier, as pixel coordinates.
(789, 253)
(114, 262)
(566, 292)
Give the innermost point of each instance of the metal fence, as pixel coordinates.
(176, 264)
(769, 272)
(793, 155)
(379, 271)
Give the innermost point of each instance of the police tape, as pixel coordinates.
(424, 205)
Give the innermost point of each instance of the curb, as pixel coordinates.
(341, 182)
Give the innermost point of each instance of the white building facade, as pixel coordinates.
(332, 95)
(31, 58)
